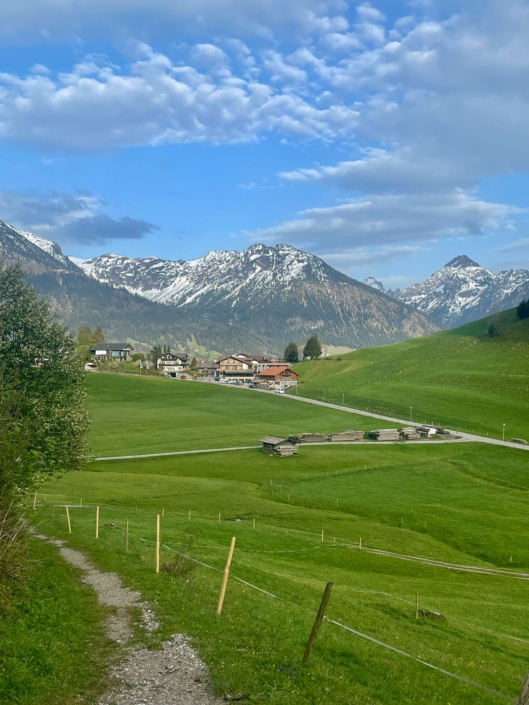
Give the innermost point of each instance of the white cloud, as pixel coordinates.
(155, 101)
(362, 256)
(25, 20)
(390, 220)
(521, 244)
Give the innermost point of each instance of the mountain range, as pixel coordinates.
(255, 300)
(462, 291)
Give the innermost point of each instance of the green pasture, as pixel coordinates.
(136, 415)
(52, 645)
(460, 503)
(462, 378)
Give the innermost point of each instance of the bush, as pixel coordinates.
(522, 310)
(180, 566)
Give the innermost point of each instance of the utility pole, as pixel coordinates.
(411, 413)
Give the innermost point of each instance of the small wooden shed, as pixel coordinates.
(273, 445)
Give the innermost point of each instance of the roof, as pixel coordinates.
(110, 346)
(276, 371)
(273, 440)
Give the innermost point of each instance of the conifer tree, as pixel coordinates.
(291, 353)
(312, 348)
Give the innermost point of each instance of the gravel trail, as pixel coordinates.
(175, 675)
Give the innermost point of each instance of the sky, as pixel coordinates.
(386, 137)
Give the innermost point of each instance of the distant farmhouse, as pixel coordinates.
(118, 352)
(170, 364)
(278, 376)
(268, 372)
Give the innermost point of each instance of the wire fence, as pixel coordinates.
(335, 623)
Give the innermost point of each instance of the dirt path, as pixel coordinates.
(174, 675)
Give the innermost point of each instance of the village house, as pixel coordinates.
(170, 364)
(235, 367)
(278, 377)
(117, 352)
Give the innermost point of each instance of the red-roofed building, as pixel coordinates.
(278, 376)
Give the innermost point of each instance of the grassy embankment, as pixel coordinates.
(460, 503)
(461, 378)
(52, 647)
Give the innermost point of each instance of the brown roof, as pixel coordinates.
(276, 372)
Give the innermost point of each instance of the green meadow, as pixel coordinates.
(138, 415)
(298, 522)
(461, 378)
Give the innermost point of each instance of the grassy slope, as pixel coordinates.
(143, 415)
(51, 643)
(459, 378)
(474, 508)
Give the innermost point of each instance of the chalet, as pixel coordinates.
(118, 352)
(273, 445)
(279, 376)
(170, 364)
(235, 367)
(271, 364)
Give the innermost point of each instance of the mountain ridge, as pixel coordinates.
(258, 299)
(463, 291)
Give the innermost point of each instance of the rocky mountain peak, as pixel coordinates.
(462, 262)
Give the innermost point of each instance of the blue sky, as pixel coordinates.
(386, 137)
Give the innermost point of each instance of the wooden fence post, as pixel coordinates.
(417, 607)
(157, 543)
(317, 623)
(254, 523)
(97, 522)
(68, 517)
(524, 695)
(127, 537)
(35, 501)
(225, 576)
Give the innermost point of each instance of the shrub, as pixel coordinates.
(522, 310)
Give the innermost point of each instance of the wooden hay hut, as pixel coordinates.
(273, 445)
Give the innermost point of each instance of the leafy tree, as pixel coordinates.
(41, 397)
(312, 348)
(193, 364)
(522, 310)
(42, 417)
(291, 353)
(138, 356)
(156, 353)
(86, 339)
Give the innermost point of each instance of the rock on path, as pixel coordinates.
(176, 675)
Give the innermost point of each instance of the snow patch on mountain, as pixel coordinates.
(375, 284)
(51, 248)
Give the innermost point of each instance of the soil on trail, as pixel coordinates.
(175, 675)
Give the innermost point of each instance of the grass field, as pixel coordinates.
(461, 378)
(52, 648)
(464, 504)
(134, 415)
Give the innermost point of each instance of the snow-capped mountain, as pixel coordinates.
(222, 275)
(279, 292)
(36, 254)
(463, 291)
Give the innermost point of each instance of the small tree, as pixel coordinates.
(193, 364)
(313, 348)
(522, 310)
(155, 354)
(291, 353)
(493, 329)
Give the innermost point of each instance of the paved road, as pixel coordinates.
(404, 422)
(177, 452)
